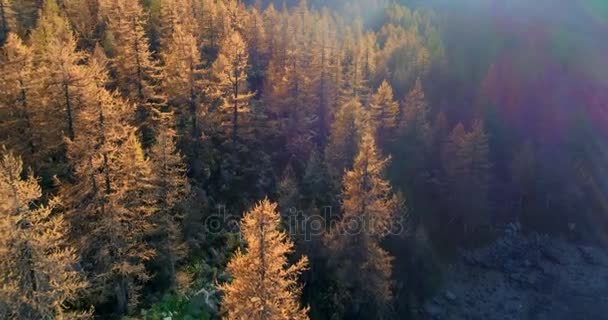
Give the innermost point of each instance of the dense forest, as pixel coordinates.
(204, 159)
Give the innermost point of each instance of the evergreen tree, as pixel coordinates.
(37, 267)
(368, 210)
(264, 285)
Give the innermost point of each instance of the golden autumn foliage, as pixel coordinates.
(384, 112)
(346, 132)
(264, 285)
(184, 78)
(230, 82)
(37, 266)
(17, 103)
(369, 211)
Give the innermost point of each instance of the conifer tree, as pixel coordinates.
(184, 77)
(368, 209)
(111, 200)
(321, 69)
(212, 26)
(171, 187)
(37, 267)
(18, 101)
(172, 13)
(230, 72)
(315, 185)
(137, 74)
(117, 241)
(170, 16)
(288, 194)
(346, 132)
(384, 113)
(25, 15)
(468, 174)
(258, 48)
(7, 20)
(412, 149)
(414, 114)
(264, 285)
(59, 66)
(84, 18)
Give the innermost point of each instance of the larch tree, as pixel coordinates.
(384, 113)
(37, 266)
(62, 77)
(84, 17)
(315, 184)
(7, 19)
(117, 242)
(173, 13)
(413, 118)
(169, 17)
(467, 169)
(212, 26)
(25, 15)
(412, 147)
(59, 67)
(368, 211)
(171, 187)
(111, 200)
(18, 102)
(138, 75)
(321, 68)
(257, 46)
(288, 194)
(346, 132)
(230, 72)
(184, 76)
(264, 286)
(356, 64)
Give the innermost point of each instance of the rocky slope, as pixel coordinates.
(524, 277)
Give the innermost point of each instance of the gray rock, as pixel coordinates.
(433, 310)
(450, 296)
(551, 254)
(590, 255)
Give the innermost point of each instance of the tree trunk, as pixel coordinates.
(68, 107)
(122, 296)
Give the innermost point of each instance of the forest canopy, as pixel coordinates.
(204, 159)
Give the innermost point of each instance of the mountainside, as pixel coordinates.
(521, 276)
